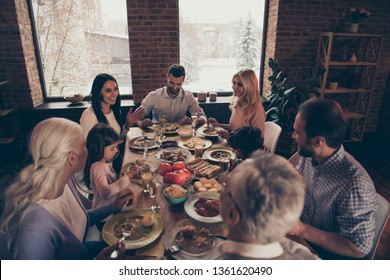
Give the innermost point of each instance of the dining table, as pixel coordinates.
(170, 214)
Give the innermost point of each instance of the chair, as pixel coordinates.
(271, 136)
(381, 218)
(294, 159)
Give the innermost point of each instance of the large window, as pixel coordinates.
(79, 39)
(218, 38)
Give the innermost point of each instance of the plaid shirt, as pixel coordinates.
(340, 198)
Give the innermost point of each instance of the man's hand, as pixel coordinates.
(200, 121)
(146, 123)
(185, 121)
(124, 196)
(297, 229)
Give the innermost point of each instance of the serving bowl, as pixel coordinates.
(74, 99)
(185, 132)
(169, 194)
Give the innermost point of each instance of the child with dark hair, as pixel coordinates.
(245, 140)
(103, 147)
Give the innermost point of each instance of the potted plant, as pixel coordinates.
(283, 102)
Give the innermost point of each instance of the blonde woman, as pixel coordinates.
(43, 215)
(245, 105)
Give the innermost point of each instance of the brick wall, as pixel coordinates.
(17, 57)
(154, 43)
(292, 38)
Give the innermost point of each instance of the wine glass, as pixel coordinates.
(158, 135)
(194, 118)
(152, 193)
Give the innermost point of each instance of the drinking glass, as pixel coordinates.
(162, 121)
(194, 118)
(152, 193)
(224, 162)
(146, 179)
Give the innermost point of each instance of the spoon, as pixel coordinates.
(114, 253)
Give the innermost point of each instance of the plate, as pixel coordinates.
(203, 131)
(188, 251)
(153, 166)
(206, 143)
(142, 236)
(190, 203)
(172, 128)
(185, 153)
(211, 153)
(138, 142)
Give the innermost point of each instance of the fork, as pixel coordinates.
(114, 253)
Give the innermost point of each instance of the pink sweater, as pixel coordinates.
(104, 183)
(254, 117)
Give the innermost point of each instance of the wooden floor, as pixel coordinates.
(374, 154)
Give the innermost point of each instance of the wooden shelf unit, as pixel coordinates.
(355, 78)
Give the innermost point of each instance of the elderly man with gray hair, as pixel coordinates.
(262, 200)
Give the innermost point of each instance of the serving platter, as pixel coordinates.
(189, 207)
(141, 236)
(213, 154)
(190, 143)
(177, 154)
(188, 249)
(138, 143)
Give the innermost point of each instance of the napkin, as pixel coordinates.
(155, 249)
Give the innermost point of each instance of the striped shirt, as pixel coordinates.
(340, 198)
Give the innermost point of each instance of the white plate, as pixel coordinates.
(189, 207)
(208, 153)
(136, 147)
(207, 144)
(210, 254)
(186, 154)
(203, 128)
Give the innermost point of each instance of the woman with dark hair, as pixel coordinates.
(106, 107)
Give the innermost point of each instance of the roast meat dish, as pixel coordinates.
(207, 207)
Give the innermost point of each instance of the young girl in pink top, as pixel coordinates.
(103, 147)
(245, 105)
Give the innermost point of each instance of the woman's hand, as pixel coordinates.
(213, 122)
(133, 117)
(124, 196)
(105, 254)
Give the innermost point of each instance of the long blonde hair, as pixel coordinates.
(251, 94)
(50, 143)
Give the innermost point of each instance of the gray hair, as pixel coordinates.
(270, 195)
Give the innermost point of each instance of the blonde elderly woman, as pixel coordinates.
(245, 105)
(262, 200)
(43, 215)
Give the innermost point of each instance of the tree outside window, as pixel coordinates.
(79, 39)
